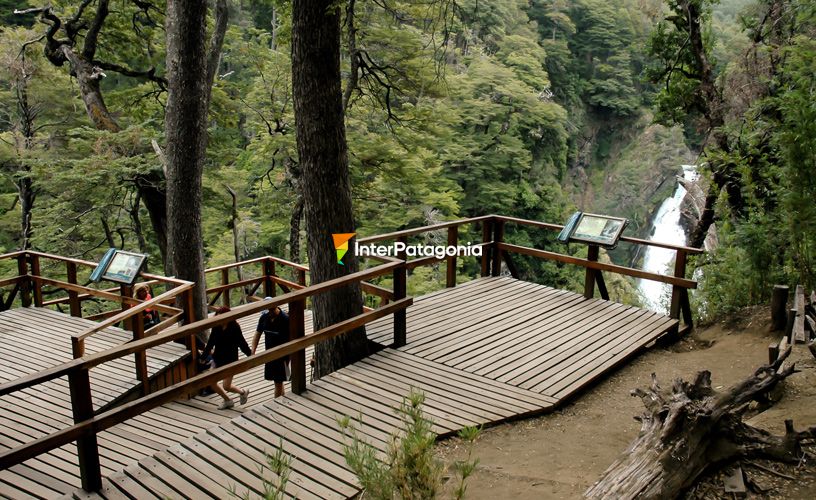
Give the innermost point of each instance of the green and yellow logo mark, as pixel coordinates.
(341, 245)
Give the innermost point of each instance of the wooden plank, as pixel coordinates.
(302, 482)
(799, 324)
(584, 349)
(314, 468)
(488, 356)
(498, 390)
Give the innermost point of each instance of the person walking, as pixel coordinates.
(224, 342)
(274, 325)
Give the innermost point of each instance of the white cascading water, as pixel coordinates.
(666, 228)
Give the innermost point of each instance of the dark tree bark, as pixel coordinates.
(185, 129)
(25, 184)
(692, 427)
(323, 160)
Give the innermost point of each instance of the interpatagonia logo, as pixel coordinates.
(341, 245)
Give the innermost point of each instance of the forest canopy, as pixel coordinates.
(452, 109)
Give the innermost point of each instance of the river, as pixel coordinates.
(666, 228)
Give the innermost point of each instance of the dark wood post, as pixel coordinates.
(453, 240)
(400, 291)
(126, 291)
(301, 277)
(790, 320)
(297, 329)
(189, 317)
(679, 272)
(269, 271)
(487, 232)
(87, 450)
(225, 294)
(773, 352)
(589, 275)
(779, 303)
(73, 296)
(35, 271)
(140, 357)
(498, 237)
(25, 284)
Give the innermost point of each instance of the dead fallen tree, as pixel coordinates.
(692, 427)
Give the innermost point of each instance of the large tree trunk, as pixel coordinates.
(323, 159)
(191, 70)
(185, 130)
(693, 427)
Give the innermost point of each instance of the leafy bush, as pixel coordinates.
(409, 469)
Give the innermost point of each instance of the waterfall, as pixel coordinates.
(666, 228)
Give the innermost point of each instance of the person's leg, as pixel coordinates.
(227, 403)
(234, 388)
(278, 389)
(229, 387)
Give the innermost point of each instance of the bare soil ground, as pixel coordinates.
(561, 454)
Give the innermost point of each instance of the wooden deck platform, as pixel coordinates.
(550, 341)
(487, 351)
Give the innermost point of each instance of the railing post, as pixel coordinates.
(453, 240)
(297, 329)
(37, 287)
(140, 357)
(589, 277)
(498, 237)
(73, 296)
(189, 318)
(126, 291)
(77, 347)
(400, 291)
(225, 294)
(301, 277)
(486, 237)
(269, 271)
(679, 272)
(25, 284)
(87, 450)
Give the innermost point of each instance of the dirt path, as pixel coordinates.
(560, 455)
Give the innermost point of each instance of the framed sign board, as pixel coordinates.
(601, 230)
(119, 266)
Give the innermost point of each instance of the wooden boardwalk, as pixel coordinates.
(487, 351)
(33, 339)
(550, 341)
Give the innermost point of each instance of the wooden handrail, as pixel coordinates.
(155, 302)
(601, 266)
(98, 293)
(628, 239)
(128, 410)
(423, 229)
(10, 281)
(96, 359)
(256, 260)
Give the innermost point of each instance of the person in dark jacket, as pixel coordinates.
(274, 325)
(226, 340)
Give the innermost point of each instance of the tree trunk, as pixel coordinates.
(691, 427)
(191, 70)
(323, 159)
(185, 130)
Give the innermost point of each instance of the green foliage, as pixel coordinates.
(280, 466)
(409, 469)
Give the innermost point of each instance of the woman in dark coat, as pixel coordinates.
(226, 340)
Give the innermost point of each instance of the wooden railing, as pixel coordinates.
(497, 252)
(87, 424)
